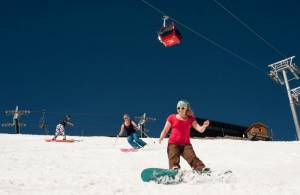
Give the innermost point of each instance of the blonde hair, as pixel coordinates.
(190, 112)
(126, 115)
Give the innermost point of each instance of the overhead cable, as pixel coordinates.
(205, 37)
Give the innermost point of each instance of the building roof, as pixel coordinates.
(219, 129)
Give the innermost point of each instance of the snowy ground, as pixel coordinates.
(94, 165)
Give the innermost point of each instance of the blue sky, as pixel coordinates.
(97, 60)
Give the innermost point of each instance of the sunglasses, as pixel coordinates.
(181, 108)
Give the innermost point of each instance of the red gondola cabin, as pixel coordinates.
(169, 35)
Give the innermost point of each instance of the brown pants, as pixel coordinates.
(187, 152)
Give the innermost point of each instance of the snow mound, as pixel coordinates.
(95, 165)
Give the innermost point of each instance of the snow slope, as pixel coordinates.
(95, 165)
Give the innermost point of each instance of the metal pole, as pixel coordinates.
(294, 113)
(142, 130)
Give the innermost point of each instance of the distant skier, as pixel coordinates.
(60, 128)
(130, 127)
(179, 141)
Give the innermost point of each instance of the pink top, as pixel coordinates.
(180, 133)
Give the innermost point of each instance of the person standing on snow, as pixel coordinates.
(132, 137)
(179, 141)
(60, 128)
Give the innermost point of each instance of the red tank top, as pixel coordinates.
(180, 133)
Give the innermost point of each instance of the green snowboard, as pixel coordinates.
(166, 176)
(169, 176)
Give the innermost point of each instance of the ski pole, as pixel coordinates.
(149, 137)
(117, 137)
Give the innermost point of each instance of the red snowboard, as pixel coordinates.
(60, 140)
(129, 149)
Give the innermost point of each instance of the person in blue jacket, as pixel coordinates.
(132, 137)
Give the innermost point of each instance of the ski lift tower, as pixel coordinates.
(295, 95)
(16, 118)
(282, 72)
(142, 123)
